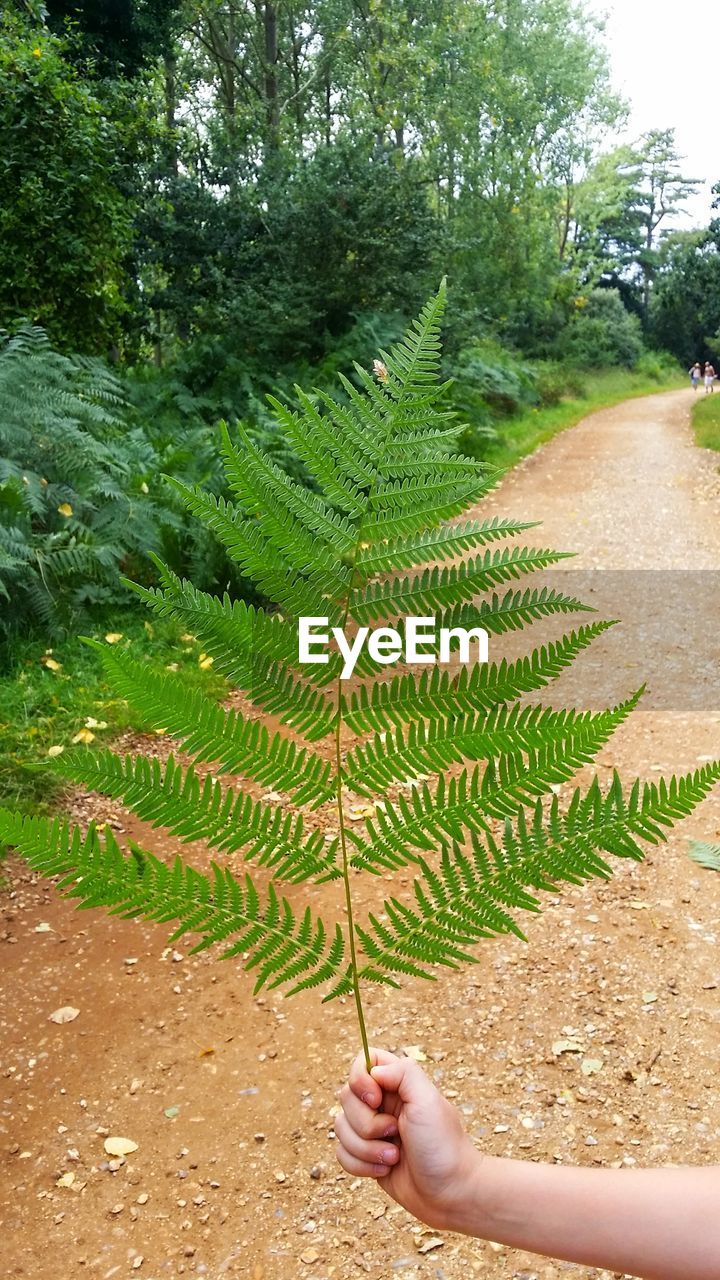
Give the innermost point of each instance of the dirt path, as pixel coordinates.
(231, 1099)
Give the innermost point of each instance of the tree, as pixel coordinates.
(661, 192)
(602, 333)
(628, 196)
(685, 303)
(65, 223)
(119, 39)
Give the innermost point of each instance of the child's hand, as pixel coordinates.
(396, 1126)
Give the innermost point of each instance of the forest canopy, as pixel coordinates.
(250, 176)
(216, 199)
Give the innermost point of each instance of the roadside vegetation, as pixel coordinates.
(706, 421)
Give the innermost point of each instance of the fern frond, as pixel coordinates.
(326, 455)
(413, 513)
(298, 594)
(224, 911)
(442, 588)
(431, 748)
(297, 523)
(453, 808)
(441, 543)
(451, 757)
(515, 610)
(195, 808)
(253, 649)
(472, 894)
(459, 692)
(205, 731)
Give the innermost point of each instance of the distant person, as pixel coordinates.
(695, 375)
(710, 376)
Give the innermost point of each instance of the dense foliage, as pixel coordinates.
(233, 184)
(65, 221)
(222, 200)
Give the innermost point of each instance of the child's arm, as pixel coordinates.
(658, 1224)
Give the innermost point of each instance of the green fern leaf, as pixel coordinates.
(208, 733)
(195, 808)
(461, 773)
(410, 699)
(219, 908)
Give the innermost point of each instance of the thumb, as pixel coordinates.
(407, 1079)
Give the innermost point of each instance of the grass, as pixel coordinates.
(50, 693)
(706, 421)
(522, 434)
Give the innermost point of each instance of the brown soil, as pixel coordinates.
(241, 1180)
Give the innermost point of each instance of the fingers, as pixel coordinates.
(368, 1150)
(367, 1123)
(362, 1083)
(360, 1156)
(404, 1077)
(358, 1168)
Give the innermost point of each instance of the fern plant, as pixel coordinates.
(75, 505)
(480, 824)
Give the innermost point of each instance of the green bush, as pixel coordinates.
(657, 365)
(554, 382)
(602, 334)
(65, 225)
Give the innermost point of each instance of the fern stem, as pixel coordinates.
(348, 895)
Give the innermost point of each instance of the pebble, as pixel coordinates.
(143, 1197)
(117, 1208)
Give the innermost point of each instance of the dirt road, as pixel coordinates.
(231, 1100)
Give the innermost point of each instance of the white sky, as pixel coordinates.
(663, 60)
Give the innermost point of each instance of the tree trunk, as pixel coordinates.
(272, 102)
(170, 67)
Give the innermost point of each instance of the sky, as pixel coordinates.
(663, 62)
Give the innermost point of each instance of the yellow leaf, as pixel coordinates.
(92, 723)
(66, 1180)
(205, 661)
(187, 638)
(112, 637)
(120, 1146)
(65, 509)
(84, 735)
(51, 664)
(55, 751)
(144, 488)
